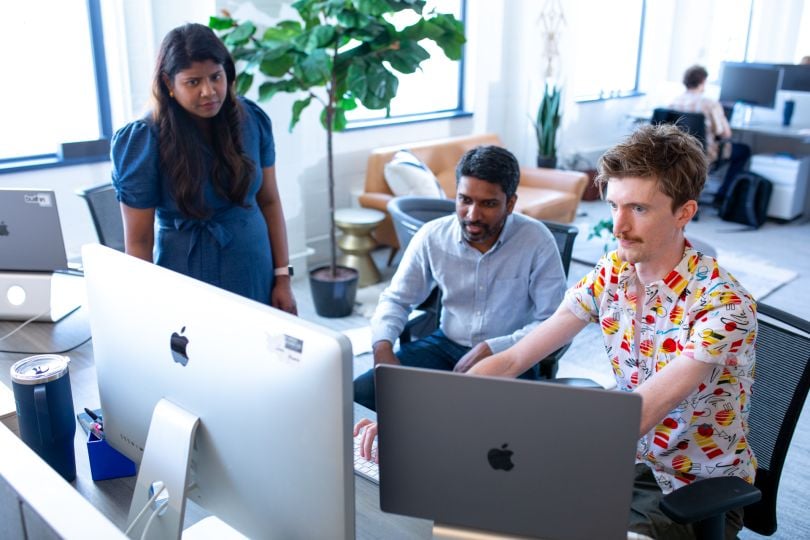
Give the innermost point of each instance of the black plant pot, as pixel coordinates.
(333, 296)
(547, 162)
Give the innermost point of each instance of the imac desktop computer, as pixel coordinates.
(240, 407)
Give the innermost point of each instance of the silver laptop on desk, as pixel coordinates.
(506, 456)
(30, 232)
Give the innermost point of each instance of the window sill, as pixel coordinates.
(596, 99)
(47, 162)
(410, 119)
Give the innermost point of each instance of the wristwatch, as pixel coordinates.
(283, 271)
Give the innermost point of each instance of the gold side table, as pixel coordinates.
(357, 224)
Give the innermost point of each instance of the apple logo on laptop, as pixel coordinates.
(500, 458)
(3, 228)
(179, 343)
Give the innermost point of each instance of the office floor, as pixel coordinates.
(782, 244)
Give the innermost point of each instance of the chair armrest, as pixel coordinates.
(377, 201)
(707, 498)
(567, 181)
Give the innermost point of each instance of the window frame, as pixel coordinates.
(83, 151)
(633, 92)
(427, 116)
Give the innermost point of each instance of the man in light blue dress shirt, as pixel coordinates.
(499, 274)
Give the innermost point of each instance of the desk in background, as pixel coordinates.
(112, 497)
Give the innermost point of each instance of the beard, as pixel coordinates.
(485, 233)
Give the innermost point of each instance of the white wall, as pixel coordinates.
(503, 85)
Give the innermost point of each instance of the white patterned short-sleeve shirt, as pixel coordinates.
(699, 310)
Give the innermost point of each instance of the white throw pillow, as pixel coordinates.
(406, 175)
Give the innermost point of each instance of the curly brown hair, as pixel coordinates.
(181, 152)
(664, 153)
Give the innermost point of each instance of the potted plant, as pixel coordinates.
(340, 53)
(546, 125)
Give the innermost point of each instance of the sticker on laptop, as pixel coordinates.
(40, 199)
(285, 348)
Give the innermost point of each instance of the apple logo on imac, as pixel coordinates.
(179, 344)
(500, 458)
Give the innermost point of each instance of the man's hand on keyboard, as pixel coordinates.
(367, 430)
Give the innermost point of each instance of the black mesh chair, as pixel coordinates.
(693, 123)
(106, 214)
(780, 388)
(408, 215)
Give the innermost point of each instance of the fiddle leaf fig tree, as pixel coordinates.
(338, 55)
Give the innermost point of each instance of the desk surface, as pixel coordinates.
(112, 497)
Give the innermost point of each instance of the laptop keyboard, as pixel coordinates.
(363, 467)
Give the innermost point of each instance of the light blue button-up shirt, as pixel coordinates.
(497, 296)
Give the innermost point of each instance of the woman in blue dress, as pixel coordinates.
(202, 164)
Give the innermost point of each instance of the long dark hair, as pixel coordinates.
(181, 151)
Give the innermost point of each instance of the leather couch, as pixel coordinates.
(549, 194)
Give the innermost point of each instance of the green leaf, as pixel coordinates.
(297, 108)
(281, 33)
(347, 103)
(315, 69)
(220, 23)
(338, 119)
(375, 8)
(240, 35)
(317, 38)
(372, 84)
(243, 82)
(407, 57)
(277, 62)
(269, 89)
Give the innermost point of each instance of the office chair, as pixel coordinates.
(106, 214)
(408, 215)
(694, 123)
(780, 388)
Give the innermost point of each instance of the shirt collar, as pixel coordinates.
(675, 278)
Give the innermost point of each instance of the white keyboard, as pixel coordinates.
(363, 467)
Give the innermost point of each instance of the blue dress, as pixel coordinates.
(231, 248)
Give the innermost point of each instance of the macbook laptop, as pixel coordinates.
(30, 232)
(504, 455)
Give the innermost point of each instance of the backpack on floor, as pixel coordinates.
(747, 199)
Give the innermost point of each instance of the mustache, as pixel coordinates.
(467, 223)
(622, 236)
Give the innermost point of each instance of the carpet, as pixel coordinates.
(760, 278)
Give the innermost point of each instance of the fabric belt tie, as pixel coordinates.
(196, 226)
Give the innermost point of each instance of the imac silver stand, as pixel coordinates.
(165, 464)
(447, 532)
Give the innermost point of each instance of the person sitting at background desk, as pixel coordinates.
(203, 161)
(499, 273)
(677, 328)
(717, 127)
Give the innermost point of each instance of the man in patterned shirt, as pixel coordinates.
(677, 328)
(694, 100)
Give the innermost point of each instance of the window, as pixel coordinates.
(55, 87)
(607, 56)
(433, 91)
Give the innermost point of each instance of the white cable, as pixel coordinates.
(23, 325)
(144, 509)
(155, 512)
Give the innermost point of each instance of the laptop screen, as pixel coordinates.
(30, 232)
(506, 456)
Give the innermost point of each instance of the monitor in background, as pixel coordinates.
(795, 77)
(272, 455)
(750, 84)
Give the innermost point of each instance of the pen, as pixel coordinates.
(91, 414)
(97, 430)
